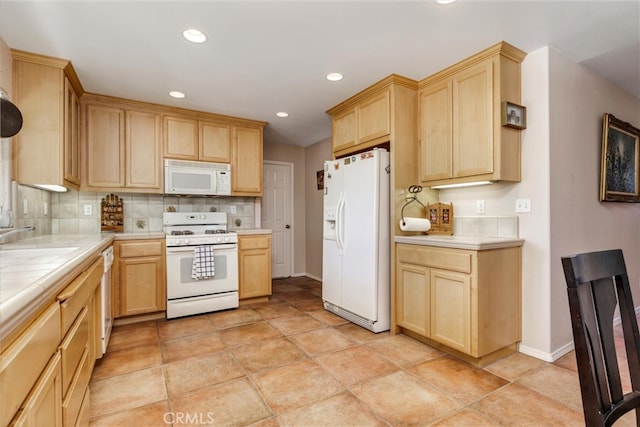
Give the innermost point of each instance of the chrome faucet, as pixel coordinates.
(15, 231)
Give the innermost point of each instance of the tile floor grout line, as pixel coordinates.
(294, 298)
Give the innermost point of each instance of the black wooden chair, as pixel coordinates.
(597, 282)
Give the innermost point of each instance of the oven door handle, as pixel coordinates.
(177, 249)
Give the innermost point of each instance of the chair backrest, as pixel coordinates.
(597, 282)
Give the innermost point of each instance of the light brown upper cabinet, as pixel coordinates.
(461, 136)
(47, 149)
(384, 115)
(191, 139)
(122, 146)
(363, 121)
(207, 137)
(246, 166)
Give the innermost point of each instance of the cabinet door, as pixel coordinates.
(451, 309)
(373, 117)
(473, 121)
(255, 273)
(144, 158)
(180, 138)
(344, 130)
(254, 256)
(246, 169)
(142, 287)
(38, 148)
(215, 142)
(435, 132)
(412, 298)
(105, 146)
(71, 135)
(43, 407)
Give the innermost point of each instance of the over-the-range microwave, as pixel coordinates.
(197, 178)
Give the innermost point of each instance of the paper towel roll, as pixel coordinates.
(414, 224)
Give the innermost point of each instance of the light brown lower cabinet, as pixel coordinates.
(43, 406)
(139, 277)
(26, 362)
(45, 370)
(254, 263)
(461, 300)
(81, 340)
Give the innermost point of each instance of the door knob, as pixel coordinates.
(287, 226)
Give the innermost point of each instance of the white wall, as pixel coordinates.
(315, 155)
(560, 174)
(579, 221)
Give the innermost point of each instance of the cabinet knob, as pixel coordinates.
(287, 226)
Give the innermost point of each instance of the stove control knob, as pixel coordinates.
(186, 242)
(226, 239)
(218, 239)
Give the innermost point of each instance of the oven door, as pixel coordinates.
(179, 266)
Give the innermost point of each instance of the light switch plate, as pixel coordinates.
(480, 206)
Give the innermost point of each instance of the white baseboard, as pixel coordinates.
(558, 353)
(311, 276)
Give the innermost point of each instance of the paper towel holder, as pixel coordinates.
(410, 197)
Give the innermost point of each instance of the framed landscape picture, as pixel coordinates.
(620, 160)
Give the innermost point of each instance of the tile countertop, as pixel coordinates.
(243, 231)
(476, 243)
(31, 270)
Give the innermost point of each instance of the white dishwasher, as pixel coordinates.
(107, 318)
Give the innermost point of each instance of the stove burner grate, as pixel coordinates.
(215, 231)
(182, 233)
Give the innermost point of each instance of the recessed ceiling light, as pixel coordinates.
(445, 1)
(176, 94)
(334, 77)
(282, 114)
(194, 35)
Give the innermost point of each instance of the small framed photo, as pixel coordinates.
(620, 165)
(514, 115)
(320, 179)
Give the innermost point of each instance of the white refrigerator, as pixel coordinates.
(355, 250)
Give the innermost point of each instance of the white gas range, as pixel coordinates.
(204, 237)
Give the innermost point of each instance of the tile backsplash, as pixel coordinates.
(142, 212)
(486, 226)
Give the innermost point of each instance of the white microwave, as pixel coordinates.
(197, 178)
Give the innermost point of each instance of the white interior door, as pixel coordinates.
(277, 207)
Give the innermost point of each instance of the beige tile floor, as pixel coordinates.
(289, 362)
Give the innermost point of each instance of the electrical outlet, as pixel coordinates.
(523, 205)
(233, 210)
(88, 210)
(45, 209)
(480, 206)
(25, 207)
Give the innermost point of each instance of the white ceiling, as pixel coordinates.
(266, 56)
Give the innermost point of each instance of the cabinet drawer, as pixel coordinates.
(445, 259)
(72, 348)
(136, 249)
(254, 242)
(72, 403)
(23, 362)
(75, 296)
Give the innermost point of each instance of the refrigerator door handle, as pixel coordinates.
(340, 224)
